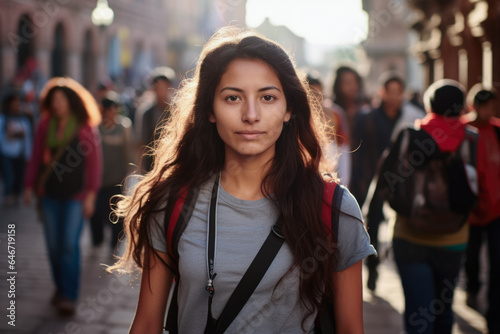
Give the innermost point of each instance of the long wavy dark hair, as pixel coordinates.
(190, 152)
(81, 102)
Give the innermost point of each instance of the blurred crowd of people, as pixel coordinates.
(369, 147)
(73, 151)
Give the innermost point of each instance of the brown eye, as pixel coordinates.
(268, 98)
(232, 98)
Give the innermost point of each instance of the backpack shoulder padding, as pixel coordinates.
(332, 197)
(177, 217)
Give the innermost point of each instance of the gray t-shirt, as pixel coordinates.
(242, 227)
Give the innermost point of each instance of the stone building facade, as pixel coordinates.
(388, 42)
(459, 39)
(58, 38)
(45, 38)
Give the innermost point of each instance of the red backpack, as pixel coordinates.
(177, 216)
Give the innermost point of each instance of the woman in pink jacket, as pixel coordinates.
(65, 174)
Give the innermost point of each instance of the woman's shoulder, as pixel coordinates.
(88, 131)
(350, 219)
(353, 239)
(350, 205)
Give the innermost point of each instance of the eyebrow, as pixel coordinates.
(241, 90)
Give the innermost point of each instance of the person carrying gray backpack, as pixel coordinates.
(429, 178)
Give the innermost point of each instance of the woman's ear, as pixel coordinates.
(288, 115)
(211, 117)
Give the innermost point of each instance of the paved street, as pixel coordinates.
(107, 303)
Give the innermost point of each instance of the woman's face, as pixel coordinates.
(349, 85)
(249, 108)
(60, 104)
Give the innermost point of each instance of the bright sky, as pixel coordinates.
(327, 22)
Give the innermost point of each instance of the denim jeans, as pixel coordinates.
(428, 275)
(472, 268)
(13, 169)
(63, 222)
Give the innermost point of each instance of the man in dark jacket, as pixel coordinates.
(150, 117)
(373, 132)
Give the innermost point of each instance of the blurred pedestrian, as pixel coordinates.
(117, 153)
(150, 117)
(373, 133)
(244, 137)
(348, 94)
(15, 147)
(416, 100)
(428, 177)
(485, 218)
(338, 150)
(65, 174)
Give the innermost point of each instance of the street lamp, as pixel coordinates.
(102, 15)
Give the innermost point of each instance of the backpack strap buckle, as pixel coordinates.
(277, 230)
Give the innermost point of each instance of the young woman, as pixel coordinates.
(348, 93)
(245, 116)
(65, 173)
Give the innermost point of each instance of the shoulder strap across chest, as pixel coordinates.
(177, 215)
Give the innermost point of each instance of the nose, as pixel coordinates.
(251, 112)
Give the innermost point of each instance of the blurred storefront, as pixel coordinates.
(57, 37)
(45, 38)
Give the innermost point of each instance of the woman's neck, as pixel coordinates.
(63, 120)
(242, 176)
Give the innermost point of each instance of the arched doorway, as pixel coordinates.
(88, 63)
(26, 45)
(58, 57)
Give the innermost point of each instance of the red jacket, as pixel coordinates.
(488, 168)
(93, 160)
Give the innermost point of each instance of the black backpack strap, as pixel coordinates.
(336, 202)
(172, 313)
(251, 278)
(472, 137)
(179, 225)
(327, 317)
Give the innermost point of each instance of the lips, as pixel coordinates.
(250, 135)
